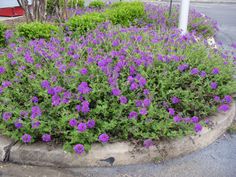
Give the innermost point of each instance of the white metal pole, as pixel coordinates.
(183, 15)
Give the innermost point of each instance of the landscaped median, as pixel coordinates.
(120, 153)
(119, 90)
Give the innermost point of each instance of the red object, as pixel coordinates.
(11, 11)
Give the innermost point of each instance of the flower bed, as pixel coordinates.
(140, 83)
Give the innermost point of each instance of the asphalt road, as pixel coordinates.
(217, 160)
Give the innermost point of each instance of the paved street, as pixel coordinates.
(217, 160)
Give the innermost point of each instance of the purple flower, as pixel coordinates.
(146, 102)
(83, 71)
(66, 97)
(146, 92)
(56, 100)
(8, 34)
(35, 99)
(46, 138)
(175, 100)
(130, 79)
(82, 127)
(36, 111)
(195, 119)
(58, 89)
(83, 88)
(73, 122)
(197, 128)
(62, 68)
(115, 43)
(78, 108)
(6, 84)
(123, 100)
(132, 70)
(134, 86)
(104, 138)
(1, 89)
(26, 138)
(183, 67)
(2, 70)
(187, 120)
(214, 85)
(143, 111)
(28, 58)
(142, 81)
(133, 114)
(18, 124)
(85, 107)
(79, 149)
(216, 98)
(35, 124)
(51, 91)
(228, 99)
(171, 111)
(45, 84)
(139, 103)
(203, 74)
(223, 107)
(177, 119)
(194, 71)
(91, 123)
(6, 116)
(116, 92)
(148, 143)
(215, 71)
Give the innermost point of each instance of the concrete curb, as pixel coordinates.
(123, 153)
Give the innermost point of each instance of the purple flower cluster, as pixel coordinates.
(46, 138)
(79, 149)
(104, 138)
(83, 88)
(26, 138)
(35, 112)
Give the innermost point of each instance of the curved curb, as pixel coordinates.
(123, 153)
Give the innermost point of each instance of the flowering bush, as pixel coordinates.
(140, 83)
(113, 84)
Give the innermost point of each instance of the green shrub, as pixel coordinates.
(85, 23)
(97, 4)
(125, 13)
(2, 34)
(76, 3)
(36, 30)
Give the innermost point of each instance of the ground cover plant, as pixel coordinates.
(140, 84)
